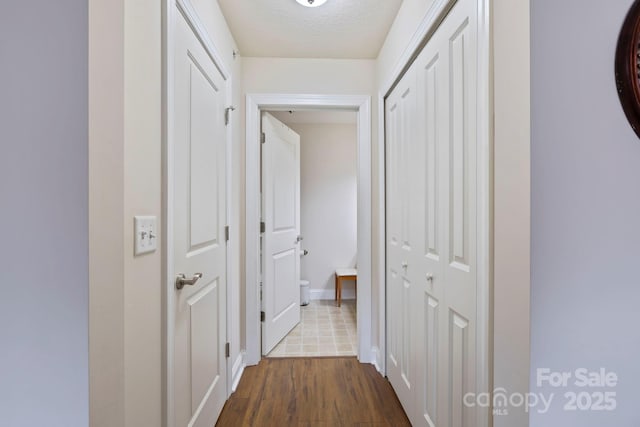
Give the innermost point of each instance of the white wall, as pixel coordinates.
(585, 208)
(329, 191)
(511, 203)
(142, 196)
(125, 169)
(106, 213)
(314, 76)
(409, 17)
(44, 374)
(125, 177)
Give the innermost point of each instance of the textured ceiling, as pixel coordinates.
(316, 117)
(283, 28)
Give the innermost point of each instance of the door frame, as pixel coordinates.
(484, 336)
(255, 104)
(170, 11)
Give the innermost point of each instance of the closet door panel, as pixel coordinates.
(459, 202)
(402, 257)
(432, 112)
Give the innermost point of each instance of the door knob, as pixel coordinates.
(405, 264)
(182, 281)
(429, 277)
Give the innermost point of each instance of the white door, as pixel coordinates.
(401, 253)
(438, 181)
(280, 241)
(199, 244)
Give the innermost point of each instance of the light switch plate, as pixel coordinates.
(146, 235)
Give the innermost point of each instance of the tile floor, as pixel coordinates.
(325, 330)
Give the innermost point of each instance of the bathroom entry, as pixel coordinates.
(328, 234)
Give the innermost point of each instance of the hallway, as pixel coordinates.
(312, 392)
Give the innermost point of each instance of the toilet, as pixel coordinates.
(305, 292)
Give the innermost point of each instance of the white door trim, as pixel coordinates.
(169, 13)
(430, 23)
(254, 104)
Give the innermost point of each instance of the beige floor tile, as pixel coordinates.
(293, 347)
(344, 347)
(311, 348)
(327, 350)
(310, 340)
(278, 351)
(325, 340)
(324, 330)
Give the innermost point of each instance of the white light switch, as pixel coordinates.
(146, 236)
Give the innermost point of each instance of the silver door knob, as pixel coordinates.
(405, 264)
(429, 277)
(182, 281)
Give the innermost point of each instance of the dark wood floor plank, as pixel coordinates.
(313, 392)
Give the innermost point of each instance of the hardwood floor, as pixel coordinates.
(313, 392)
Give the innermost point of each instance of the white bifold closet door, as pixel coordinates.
(431, 226)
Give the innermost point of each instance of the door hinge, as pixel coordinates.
(226, 233)
(226, 350)
(263, 227)
(263, 138)
(262, 316)
(227, 114)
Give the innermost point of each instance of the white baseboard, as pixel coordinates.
(237, 370)
(324, 294)
(377, 359)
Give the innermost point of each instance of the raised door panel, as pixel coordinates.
(284, 187)
(461, 156)
(428, 374)
(204, 342)
(283, 279)
(205, 193)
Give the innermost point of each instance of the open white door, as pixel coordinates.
(280, 241)
(199, 243)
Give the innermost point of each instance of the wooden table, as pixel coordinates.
(344, 274)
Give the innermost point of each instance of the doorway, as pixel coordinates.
(360, 105)
(326, 295)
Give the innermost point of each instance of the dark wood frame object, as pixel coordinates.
(628, 67)
(339, 279)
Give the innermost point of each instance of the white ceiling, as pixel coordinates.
(316, 117)
(283, 28)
